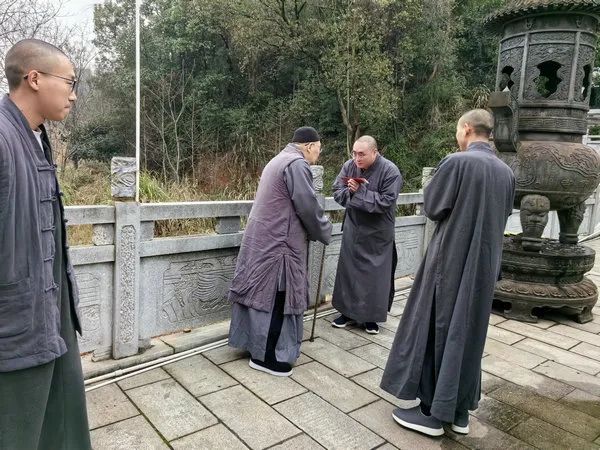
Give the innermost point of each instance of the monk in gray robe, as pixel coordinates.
(42, 398)
(368, 187)
(270, 290)
(436, 354)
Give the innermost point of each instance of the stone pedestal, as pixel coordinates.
(552, 277)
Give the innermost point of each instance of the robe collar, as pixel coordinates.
(292, 148)
(481, 147)
(14, 114)
(370, 169)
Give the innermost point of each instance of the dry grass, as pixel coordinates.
(227, 178)
(89, 184)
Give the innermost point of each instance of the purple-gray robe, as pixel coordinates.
(273, 257)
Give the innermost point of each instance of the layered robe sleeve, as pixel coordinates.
(365, 199)
(440, 194)
(298, 179)
(5, 176)
(341, 193)
(377, 202)
(6, 179)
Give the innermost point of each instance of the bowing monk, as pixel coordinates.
(368, 187)
(269, 290)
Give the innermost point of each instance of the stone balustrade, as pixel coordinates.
(135, 286)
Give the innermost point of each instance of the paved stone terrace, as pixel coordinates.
(541, 389)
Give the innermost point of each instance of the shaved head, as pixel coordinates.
(369, 141)
(481, 120)
(364, 152)
(27, 55)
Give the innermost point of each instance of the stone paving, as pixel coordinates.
(541, 389)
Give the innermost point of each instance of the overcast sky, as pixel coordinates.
(79, 12)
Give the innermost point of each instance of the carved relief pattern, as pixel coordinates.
(89, 309)
(562, 54)
(513, 58)
(558, 167)
(554, 124)
(569, 262)
(586, 56)
(408, 247)
(123, 172)
(195, 288)
(317, 173)
(127, 260)
(584, 162)
(512, 42)
(567, 36)
(589, 39)
(570, 220)
(584, 290)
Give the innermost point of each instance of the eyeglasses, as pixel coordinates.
(72, 82)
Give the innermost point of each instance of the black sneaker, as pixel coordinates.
(372, 328)
(415, 420)
(278, 369)
(342, 321)
(461, 422)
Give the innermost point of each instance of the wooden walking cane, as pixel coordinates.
(321, 270)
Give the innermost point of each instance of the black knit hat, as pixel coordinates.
(306, 134)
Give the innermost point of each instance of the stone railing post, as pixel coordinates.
(127, 258)
(426, 177)
(595, 213)
(315, 249)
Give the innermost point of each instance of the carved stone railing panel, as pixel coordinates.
(135, 286)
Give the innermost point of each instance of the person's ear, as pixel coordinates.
(32, 79)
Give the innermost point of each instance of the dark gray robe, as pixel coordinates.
(364, 281)
(436, 355)
(44, 407)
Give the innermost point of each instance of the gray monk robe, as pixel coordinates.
(364, 281)
(436, 355)
(269, 290)
(42, 398)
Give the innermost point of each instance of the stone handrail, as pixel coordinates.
(135, 286)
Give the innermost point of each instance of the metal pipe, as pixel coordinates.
(136, 370)
(589, 237)
(122, 374)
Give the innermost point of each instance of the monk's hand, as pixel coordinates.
(353, 185)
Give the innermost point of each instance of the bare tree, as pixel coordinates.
(23, 19)
(26, 19)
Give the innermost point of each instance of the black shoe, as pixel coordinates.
(279, 369)
(342, 321)
(461, 422)
(372, 328)
(415, 420)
